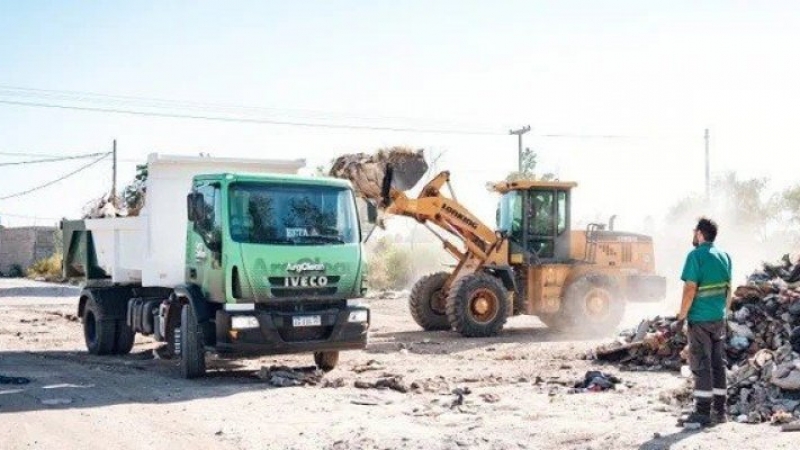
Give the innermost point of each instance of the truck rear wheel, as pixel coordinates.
(125, 336)
(477, 305)
(191, 344)
(326, 361)
(428, 303)
(592, 304)
(99, 332)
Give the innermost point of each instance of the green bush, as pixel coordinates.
(48, 268)
(388, 266)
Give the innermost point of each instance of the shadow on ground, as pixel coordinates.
(40, 291)
(77, 380)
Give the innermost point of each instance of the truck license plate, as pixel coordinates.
(306, 321)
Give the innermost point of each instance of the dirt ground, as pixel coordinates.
(514, 393)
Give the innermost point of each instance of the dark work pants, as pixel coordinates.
(707, 361)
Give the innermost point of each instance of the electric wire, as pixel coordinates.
(48, 160)
(61, 178)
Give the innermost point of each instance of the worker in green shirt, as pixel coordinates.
(706, 296)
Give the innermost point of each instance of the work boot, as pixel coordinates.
(718, 413)
(701, 417)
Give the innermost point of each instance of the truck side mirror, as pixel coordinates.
(190, 212)
(194, 207)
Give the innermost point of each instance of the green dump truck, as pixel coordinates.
(230, 256)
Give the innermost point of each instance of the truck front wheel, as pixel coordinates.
(191, 344)
(99, 332)
(326, 361)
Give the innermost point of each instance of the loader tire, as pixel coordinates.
(124, 338)
(477, 305)
(192, 344)
(428, 304)
(326, 361)
(592, 305)
(99, 331)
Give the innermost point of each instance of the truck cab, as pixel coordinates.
(278, 258)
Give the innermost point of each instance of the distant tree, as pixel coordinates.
(741, 204)
(528, 169)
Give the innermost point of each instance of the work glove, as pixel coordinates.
(677, 326)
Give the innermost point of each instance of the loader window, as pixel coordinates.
(542, 220)
(562, 212)
(510, 215)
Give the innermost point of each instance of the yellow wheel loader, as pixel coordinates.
(533, 263)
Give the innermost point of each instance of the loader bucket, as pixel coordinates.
(407, 172)
(368, 174)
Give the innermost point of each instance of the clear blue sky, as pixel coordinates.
(632, 68)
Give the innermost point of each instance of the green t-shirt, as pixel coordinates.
(710, 268)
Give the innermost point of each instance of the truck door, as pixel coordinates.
(204, 247)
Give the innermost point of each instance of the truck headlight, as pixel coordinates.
(243, 322)
(358, 316)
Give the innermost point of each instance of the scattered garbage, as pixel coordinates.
(282, 376)
(655, 344)
(595, 381)
(460, 393)
(370, 365)
(394, 383)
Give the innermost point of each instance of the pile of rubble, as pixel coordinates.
(764, 345)
(656, 344)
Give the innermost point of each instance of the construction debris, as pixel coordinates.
(655, 344)
(367, 171)
(763, 350)
(763, 346)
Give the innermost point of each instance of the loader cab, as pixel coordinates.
(536, 216)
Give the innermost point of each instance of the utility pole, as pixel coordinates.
(708, 168)
(519, 134)
(114, 173)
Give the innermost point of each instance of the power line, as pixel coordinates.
(93, 97)
(56, 155)
(135, 105)
(247, 120)
(22, 216)
(47, 160)
(50, 183)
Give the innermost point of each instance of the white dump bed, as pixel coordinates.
(150, 248)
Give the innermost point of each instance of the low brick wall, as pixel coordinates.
(25, 245)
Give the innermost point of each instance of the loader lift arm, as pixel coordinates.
(484, 248)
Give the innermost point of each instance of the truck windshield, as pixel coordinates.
(292, 214)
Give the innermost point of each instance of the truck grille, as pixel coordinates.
(291, 334)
